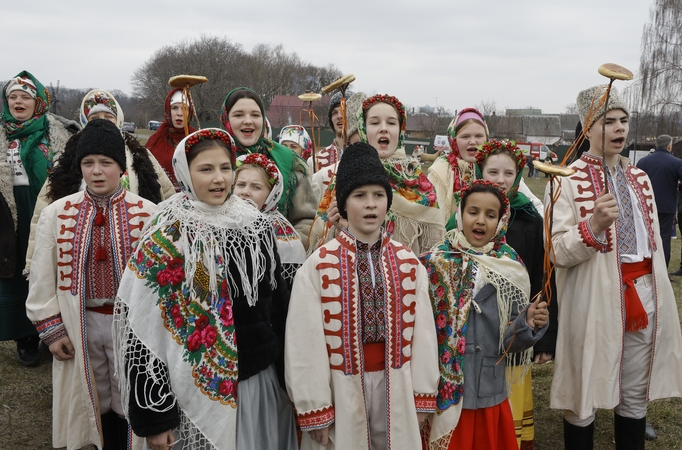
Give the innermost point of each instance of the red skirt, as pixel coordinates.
(485, 429)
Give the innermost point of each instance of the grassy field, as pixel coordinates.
(143, 135)
(26, 398)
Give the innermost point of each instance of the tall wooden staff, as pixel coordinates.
(185, 82)
(342, 85)
(548, 264)
(612, 72)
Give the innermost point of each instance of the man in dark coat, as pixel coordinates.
(665, 172)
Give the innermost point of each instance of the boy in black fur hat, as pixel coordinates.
(360, 328)
(83, 243)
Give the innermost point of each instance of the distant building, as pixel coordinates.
(544, 128)
(288, 109)
(523, 112)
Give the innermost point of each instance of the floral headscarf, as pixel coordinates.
(180, 164)
(288, 162)
(452, 266)
(297, 134)
(35, 150)
(382, 98)
(517, 200)
(243, 212)
(100, 100)
(23, 84)
(289, 245)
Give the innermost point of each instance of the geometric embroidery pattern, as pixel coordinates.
(625, 223)
(101, 281)
(372, 292)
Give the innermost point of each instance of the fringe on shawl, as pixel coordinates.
(235, 236)
(445, 204)
(407, 231)
(508, 296)
(130, 353)
(442, 443)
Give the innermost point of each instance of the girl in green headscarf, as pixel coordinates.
(29, 143)
(243, 117)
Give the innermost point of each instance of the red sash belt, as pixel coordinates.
(375, 358)
(636, 318)
(104, 309)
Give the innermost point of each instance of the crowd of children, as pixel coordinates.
(218, 291)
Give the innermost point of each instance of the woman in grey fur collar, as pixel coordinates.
(30, 142)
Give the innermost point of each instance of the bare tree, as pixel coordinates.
(216, 58)
(571, 108)
(660, 67)
(56, 98)
(489, 110)
(267, 70)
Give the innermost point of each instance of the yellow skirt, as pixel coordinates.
(521, 401)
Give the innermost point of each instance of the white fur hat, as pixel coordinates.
(591, 104)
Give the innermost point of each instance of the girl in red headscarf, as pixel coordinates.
(163, 142)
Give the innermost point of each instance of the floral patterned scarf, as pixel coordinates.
(463, 171)
(299, 135)
(289, 246)
(175, 299)
(100, 97)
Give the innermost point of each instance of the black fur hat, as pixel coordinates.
(360, 166)
(101, 137)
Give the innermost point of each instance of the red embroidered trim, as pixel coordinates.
(425, 402)
(588, 237)
(54, 335)
(316, 419)
(50, 322)
(640, 182)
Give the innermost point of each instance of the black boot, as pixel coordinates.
(110, 431)
(629, 432)
(124, 432)
(578, 438)
(27, 351)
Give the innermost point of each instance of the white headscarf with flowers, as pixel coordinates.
(297, 134)
(289, 245)
(201, 223)
(100, 100)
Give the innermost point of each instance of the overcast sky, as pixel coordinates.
(448, 53)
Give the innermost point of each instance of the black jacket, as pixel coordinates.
(525, 235)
